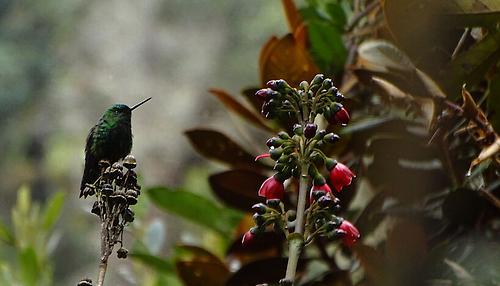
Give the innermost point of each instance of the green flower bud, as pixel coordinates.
(304, 85)
(275, 153)
(298, 130)
(283, 135)
(318, 79)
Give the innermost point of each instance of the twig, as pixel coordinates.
(460, 43)
(356, 18)
(103, 265)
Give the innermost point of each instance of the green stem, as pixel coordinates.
(296, 239)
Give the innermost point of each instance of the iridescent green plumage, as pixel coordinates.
(110, 139)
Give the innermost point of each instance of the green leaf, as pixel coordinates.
(195, 208)
(337, 15)
(53, 210)
(6, 235)
(28, 266)
(157, 263)
(327, 46)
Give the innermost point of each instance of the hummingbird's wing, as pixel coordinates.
(91, 170)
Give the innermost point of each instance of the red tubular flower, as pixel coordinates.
(351, 233)
(323, 187)
(248, 238)
(341, 176)
(272, 188)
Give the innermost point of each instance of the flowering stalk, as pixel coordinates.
(300, 155)
(115, 191)
(296, 241)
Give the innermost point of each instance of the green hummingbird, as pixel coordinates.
(110, 139)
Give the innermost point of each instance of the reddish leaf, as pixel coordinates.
(215, 145)
(237, 188)
(232, 104)
(292, 15)
(266, 51)
(249, 94)
(201, 268)
(286, 59)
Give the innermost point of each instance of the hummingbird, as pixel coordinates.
(110, 139)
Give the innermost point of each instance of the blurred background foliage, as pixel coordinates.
(415, 135)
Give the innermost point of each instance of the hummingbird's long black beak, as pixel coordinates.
(140, 103)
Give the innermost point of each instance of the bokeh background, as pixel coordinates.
(62, 63)
(402, 64)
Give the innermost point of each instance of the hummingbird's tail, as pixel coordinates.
(90, 173)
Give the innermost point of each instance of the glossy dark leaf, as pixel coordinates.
(406, 251)
(382, 59)
(195, 208)
(428, 35)
(215, 145)
(470, 67)
(237, 188)
(373, 262)
(476, 13)
(232, 104)
(463, 207)
(198, 272)
(371, 215)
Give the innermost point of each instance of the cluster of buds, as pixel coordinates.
(305, 147)
(269, 216)
(320, 96)
(115, 191)
(323, 221)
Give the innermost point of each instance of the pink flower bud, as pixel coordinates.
(341, 176)
(340, 116)
(351, 233)
(272, 188)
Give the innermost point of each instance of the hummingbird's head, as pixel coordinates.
(118, 112)
(120, 109)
